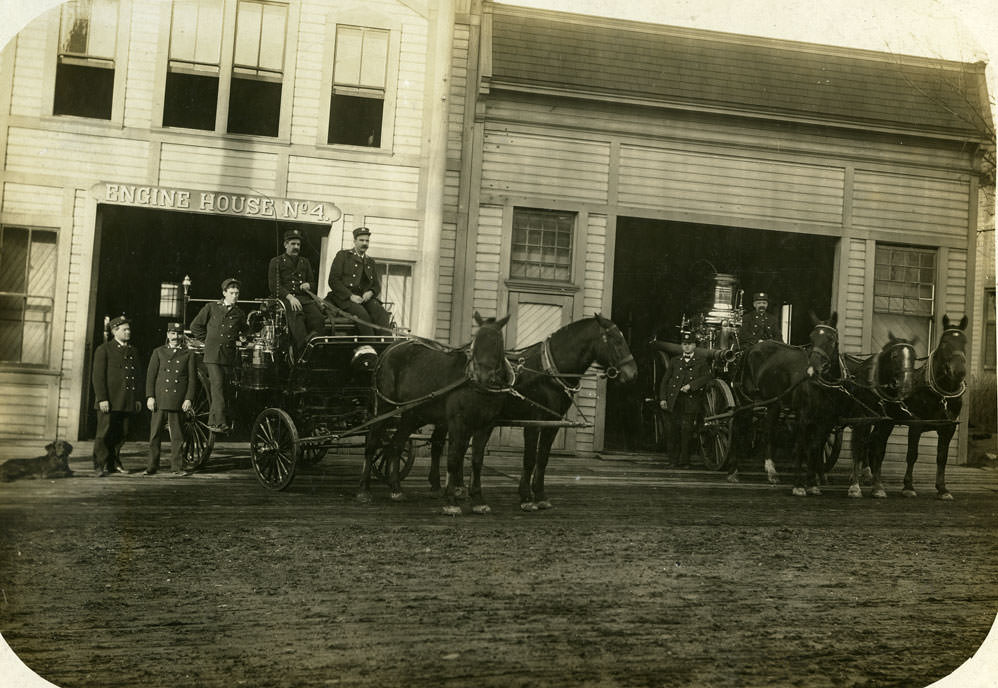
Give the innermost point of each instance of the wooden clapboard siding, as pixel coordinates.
(349, 183)
(737, 186)
(29, 61)
(485, 295)
(700, 132)
(409, 103)
(313, 52)
(445, 283)
(30, 199)
(452, 187)
(909, 204)
(28, 401)
(851, 338)
(592, 297)
(75, 155)
(140, 72)
(224, 169)
(954, 301)
(394, 236)
(458, 90)
(77, 308)
(519, 164)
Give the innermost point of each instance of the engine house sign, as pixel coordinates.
(200, 201)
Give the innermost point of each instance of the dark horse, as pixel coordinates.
(769, 372)
(934, 403)
(548, 378)
(461, 389)
(850, 386)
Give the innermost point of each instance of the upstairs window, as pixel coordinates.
(357, 102)
(84, 78)
(541, 248)
(257, 68)
(27, 294)
(191, 96)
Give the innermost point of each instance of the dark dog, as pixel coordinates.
(55, 464)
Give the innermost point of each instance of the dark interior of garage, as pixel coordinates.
(137, 249)
(664, 271)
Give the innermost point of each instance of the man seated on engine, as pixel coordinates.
(289, 275)
(759, 325)
(354, 285)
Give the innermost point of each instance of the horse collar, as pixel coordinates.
(930, 380)
(547, 362)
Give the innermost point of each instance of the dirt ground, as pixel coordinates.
(640, 576)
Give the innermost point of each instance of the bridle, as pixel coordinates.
(823, 329)
(930, 377)
(613, 370)
(473, 369)
(874, 377)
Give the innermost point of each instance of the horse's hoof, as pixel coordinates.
(908, 492)
(733, 478)
(855, 490)
(364, 497)
(528, 506)
(814, 491)
(799, 492)
(452, 510)
(398, 496)
(945, 496)
(481, 509)
(544, 504)
(880, 493)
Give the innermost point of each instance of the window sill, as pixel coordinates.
(28, 369)
(539, 287)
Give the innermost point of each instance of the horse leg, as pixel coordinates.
(374, 439)
(860, 447)
(407, 425)
(876, 449)
(802, 448)
(772, 419)
(914, 435)
(531, 438)
(543, 453)
(815, 457)
(437, 441)
(945, 433)
(456, 448)
(478, 442)
(740, 437)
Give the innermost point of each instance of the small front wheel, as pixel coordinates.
(274, 448)
(198, 440)
(715, 433)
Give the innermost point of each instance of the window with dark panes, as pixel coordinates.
(541, 248)
(257, 69)
(904, 292)
(191, 95)
(357, 102)
(27, 291)
(84, 77)
(989, 353)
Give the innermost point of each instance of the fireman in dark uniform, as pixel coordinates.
(355, 285)
(759, 325)
(288, 275)
(220, 324)
(115, 383)
(171, 381)
(681, 395)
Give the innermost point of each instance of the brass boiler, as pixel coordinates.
(259, 369)
(725, 314)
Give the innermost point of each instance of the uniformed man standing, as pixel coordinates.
(220, 324)
(355, 284)
(114, 379)
(759, 325)
(171, 382)
(681, 394)
(288, 275)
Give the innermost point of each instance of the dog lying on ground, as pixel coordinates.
(55, 464)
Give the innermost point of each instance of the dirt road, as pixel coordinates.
(639, 577)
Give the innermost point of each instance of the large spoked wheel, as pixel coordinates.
(198, 440)
(274, 448)
(832, 448)
(715, 433)
(379, 464)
